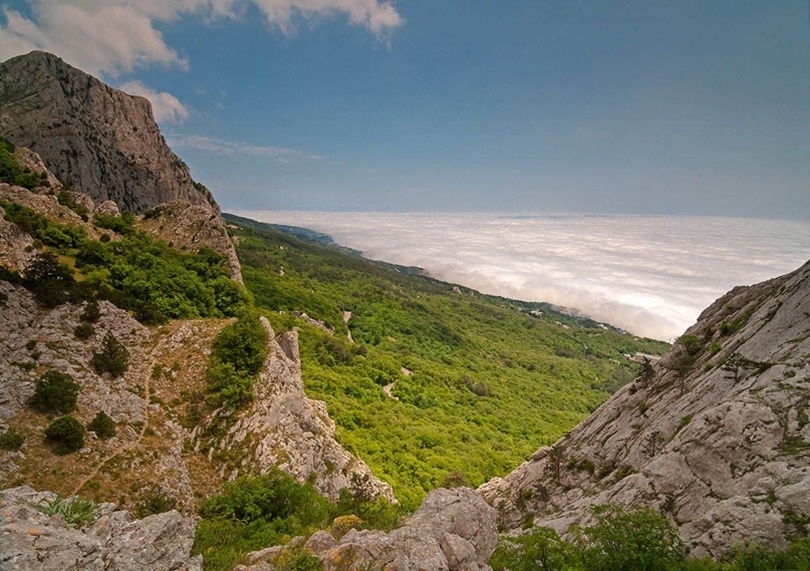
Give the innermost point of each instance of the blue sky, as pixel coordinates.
(664, 107)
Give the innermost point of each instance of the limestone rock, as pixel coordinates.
(718, 437)
(453, 530)
(33, 540)
(285, 429)
(95, 139)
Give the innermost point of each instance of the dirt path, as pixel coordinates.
(143, 374)
(347, 315)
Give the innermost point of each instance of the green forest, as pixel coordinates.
(479, 382)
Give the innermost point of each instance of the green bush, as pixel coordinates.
(236, 358)
(75, 510)
(10, 170)
(113, 357)
(91, 312)
(11, 440)
(102, 425)
(50, 281)
(153, 500)
(542, 549)
(640, 539)
(254, 512)
(66, 434)
(84, 331)
(54, 392)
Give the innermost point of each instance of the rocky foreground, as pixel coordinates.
(716, 434)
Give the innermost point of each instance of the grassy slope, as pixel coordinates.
(490, 382)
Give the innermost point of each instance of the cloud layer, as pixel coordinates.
(165, 106)
(649, 275)
(115, 36)
(213, 144)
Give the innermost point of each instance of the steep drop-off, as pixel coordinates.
(716, 435)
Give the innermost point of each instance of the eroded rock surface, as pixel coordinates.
(285, 429)
(29, 539)
(95, 139)
(717, 436)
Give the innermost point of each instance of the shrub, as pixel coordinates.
(11, 440)
(153, 500)
(113, 357)
(84, 331)
(10, 170)
(238, 353)
(75, 510)
(49, 281)
(102, 425)
(91, 312)
(54, 392)
(641, 539)
(66, 434)
(542, 549)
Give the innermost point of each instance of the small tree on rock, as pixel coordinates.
(113, 357)
(54, 392)
(66, 434)
(102, 425)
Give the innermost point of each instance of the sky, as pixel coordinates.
(650, 275)
(662, 107)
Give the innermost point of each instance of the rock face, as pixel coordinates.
(285, 429)
(453, 530)
(33, 540)
(716, 435)
(95, 139)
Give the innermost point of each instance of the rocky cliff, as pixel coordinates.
(716, 434)
(95, 139)
(285, 429)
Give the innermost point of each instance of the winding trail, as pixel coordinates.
(143, 373)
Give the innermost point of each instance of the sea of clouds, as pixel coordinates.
(650, 275)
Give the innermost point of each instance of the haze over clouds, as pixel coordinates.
(651, 275)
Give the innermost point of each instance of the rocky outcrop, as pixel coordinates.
(114, 540)
(193, 227)
(283, 428)
(95, 139)
(716, 435)
(453, 530)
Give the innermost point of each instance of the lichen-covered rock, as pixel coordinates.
(718, 437)
(33, 540)
(283, 428)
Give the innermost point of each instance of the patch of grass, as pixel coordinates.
(75, 510)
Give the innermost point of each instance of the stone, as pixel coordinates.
(33, 540)
(721, 447)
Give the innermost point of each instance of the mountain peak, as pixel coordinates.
(96, 139)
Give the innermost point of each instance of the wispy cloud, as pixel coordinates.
(115, 36)
(277, 154)
(649, 275)
(165, 106)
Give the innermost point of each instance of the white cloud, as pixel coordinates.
(278, 154)
(649, 275)
(115, 36)
(165, 106)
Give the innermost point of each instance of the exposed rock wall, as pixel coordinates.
(285, 429)
(718, 437)
(95, 139)
(33, 540)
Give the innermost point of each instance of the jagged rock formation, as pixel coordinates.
(716, 435)
(285, 429)
(33, 540)
(453, 530)
(95, 139)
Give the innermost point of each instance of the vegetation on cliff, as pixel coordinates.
(462, 369)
